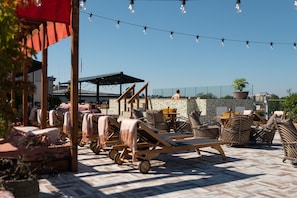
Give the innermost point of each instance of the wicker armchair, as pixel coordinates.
(155, 119)
(208, 130)
(264, 133)
(238, 129)
(288, 134)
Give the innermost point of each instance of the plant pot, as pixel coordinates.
(241, 94)
(25, 188)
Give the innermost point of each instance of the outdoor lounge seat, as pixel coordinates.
(206, 130)
(238, 129)
(155, 119)
(288, 135)
(142, 143)
(108, 135)
(265, 132)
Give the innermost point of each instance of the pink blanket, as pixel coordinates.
(128, 133)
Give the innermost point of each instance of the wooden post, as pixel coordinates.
(44, 82)
(25, 96)
(74, 84)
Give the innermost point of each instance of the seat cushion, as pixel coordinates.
(194, 118)
(138, 114)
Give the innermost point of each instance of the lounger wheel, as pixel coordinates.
(117, 159)
(144, 166)
(95, 148)
(80, 142)
(112, 153)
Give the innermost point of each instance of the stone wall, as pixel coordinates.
(209, 107)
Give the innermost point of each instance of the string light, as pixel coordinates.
(90, 17)
(237, 6)
(82, 4)
(144, 29)
(118, 24)
(183, 7)
(131, 6)
(171, 35)
(197, 37)
(38, 3)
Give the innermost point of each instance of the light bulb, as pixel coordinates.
(295, 46)
(183, 7)
(271, 45)
(38, 3)
(197, 39)
(118, 24)
(144, 29)
(82, 4)
(295, 4)
(247, 44)
(222, 41)
(171, 35)
(25, 2)
(237, 6)
(131, 6)
(90, 17)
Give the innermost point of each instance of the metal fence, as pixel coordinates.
(217, 91)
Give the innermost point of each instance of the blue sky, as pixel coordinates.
(181, 62)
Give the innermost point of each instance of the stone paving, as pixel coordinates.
(252, 171)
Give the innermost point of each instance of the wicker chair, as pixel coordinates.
(264, 133)
(208, 130)
(238, 129)
(288, 134)
(155, 119)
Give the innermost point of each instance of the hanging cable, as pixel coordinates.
(196, 36)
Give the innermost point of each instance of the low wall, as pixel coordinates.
(209, 107)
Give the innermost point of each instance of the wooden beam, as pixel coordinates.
(44, 82)
(74, 84)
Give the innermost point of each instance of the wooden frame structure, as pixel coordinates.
(43, 28)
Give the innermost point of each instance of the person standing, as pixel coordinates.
(176, 95)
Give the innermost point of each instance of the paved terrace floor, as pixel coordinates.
(253, 171)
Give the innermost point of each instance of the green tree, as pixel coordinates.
(289, 104)
(206, 96)
(12, 61)
(227, 97)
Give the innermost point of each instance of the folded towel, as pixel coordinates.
(66, 124)
(128, 133)
(102, 130)
(52, 117)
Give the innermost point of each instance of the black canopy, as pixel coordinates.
(110, 79)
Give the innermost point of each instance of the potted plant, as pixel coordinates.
(17, 177)
(239, 84)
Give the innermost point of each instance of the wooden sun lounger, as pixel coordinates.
(110, 138)
(150, 144)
